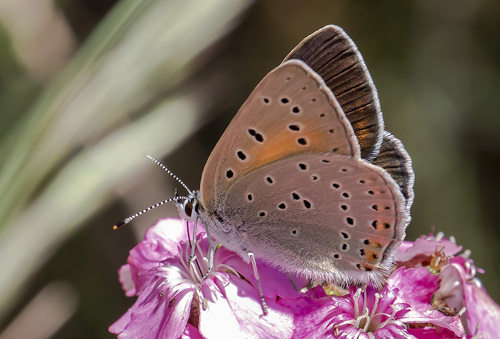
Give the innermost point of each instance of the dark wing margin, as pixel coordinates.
(396, 161)
(334, 56)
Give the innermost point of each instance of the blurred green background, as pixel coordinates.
(88, 88)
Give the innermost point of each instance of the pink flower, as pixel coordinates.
(173, 300)
(460, 292)
(434, 294)
(402, 305)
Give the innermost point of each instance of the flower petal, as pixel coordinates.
(237, 310)
(125, 277)
(274, 282)
(426, 246)
(432, 333)
(480, 308)
(191, 332)
(416, 288)
(154, 317)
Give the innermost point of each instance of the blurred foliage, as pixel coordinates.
(165, 78)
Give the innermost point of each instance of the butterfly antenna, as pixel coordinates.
(170, 173)
(132, 217)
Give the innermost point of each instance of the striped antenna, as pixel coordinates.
(132, 217)
(170, 173)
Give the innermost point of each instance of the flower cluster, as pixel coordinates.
(432, 294)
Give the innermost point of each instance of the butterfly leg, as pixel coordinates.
(256, 274)
(292, 281)
(210, 255)
(192, 256)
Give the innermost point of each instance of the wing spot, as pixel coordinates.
(335, 150)
(282, 206)
(345, 235)
(362, 181)
(266, 100)
(350, 221)
(336, 256)
(296, 109)
(294, 128)
(302, 141)
(343, 169)
(344, 207)
(336, 185)
(250, 197)
(314, 177)
(358, 266)
(304, 88)
(262, 214)
(326, 161)
(229, 174)
(366, 242)
(302, 166)
(285, 100)
(313, 99)
(295, 196)
(331, 131)
(374, 224)
(257, 136)
(270, 180)
(322, 115)
(345, 195)
(307, 204)
(386, 225)
(362, 252)
(344, 247)
(370, 192)
(241, 155)
(375, 207)
(387, 208)
(294, 232)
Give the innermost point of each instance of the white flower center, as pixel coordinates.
(366, 318)
(195, 271)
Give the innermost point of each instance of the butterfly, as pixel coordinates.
(305, 177)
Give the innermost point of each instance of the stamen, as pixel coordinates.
(375, 305)
(390, 318)
(195, 272)
(364, 318)
(355, 298)
(229, 268)
(477, 282)
(462, 311)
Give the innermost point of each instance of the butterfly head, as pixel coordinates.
(188, 206)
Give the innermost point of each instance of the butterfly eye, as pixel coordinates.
(188, 208)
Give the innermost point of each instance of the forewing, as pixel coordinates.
(291, 111)
(319, 214)
(334, 56)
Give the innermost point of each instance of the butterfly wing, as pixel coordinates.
(334, 56)
(319, 215)
(396, 161)
(291, 111)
